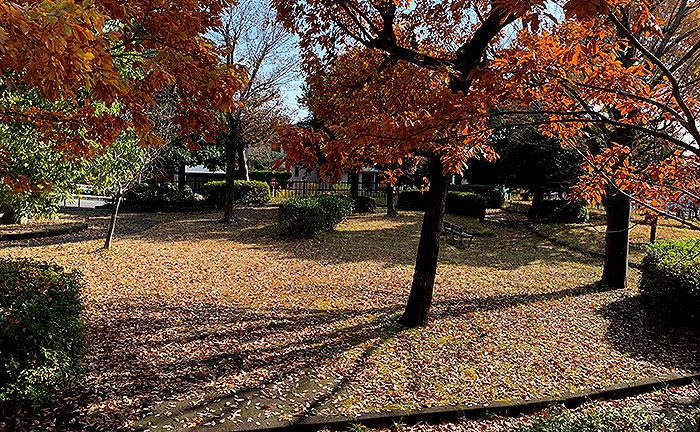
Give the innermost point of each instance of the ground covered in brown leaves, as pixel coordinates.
(194, 324)
(591, 235)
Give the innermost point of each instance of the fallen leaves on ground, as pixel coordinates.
(194, 324)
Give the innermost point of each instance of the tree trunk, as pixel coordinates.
(113, 219)
(537, 197)
(181, 176)
(354, 184)
(242, 159)
(390, 210)
(10, 216)
(652, 233)
(229, 201)
(416, 312)
(617, 213)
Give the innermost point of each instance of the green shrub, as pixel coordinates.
(412, 200)
(670, 281)
(559, 211)
(597, 418)
(152, 197)
(307, 216)
(42, 334)
(493, 194)
(282, 177)
(466, 204)
(461, 203)
(244, 192)
(364, 204)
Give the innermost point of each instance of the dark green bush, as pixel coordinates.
(559, 211)
(670, 281)
(152, 197)
(364, 204)
(466, 204)
(307, 216)
(412, 200)
(244, 192)
(493, 194)
(597, 418)
(461, 203)
(42, 333)
(282, 177)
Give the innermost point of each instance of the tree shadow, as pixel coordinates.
(145, 356)
(635, 331)
(373, 237)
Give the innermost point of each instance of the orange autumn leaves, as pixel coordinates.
(83, 57)
(583, 76)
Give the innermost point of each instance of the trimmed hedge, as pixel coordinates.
(559, 211)
(244, 192)
(364, 204)
(412, 200)
(42, 332)
(598, 418)
(307, 216)
(282, 177)
(151, 197)
(670, 282)
(461, 203)
(466, 204)
(494, 196)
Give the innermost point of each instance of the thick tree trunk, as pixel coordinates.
(390, 210)
(617, 212)
(229, 201)
(652, 232)
(113, 219)
(242, 159)
(416, 312)
(181, 176)
(354, 184)
(10, 216)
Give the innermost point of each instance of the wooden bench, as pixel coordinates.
(457, 231)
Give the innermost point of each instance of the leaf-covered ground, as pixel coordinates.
(64, 221)
(194, 325)
(591, 235)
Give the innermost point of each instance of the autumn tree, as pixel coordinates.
(620, 87)
(81, 58)
(127, 163)
(404, 71)
(250, 34)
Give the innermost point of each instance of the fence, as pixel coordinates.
(299, 188)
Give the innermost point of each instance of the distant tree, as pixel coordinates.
(528, 160)
(250, 34)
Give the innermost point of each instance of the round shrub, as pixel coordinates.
(466, 204)
(559, 211)
(364, 204)
(307, 216)
(244, 192)
(670, 282)
(153, 197)
(42, 333)
(493, 194)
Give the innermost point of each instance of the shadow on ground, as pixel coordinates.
(392, 241)
(636, 332)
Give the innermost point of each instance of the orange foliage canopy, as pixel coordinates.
(85, 56)
(400, 79)
(621, 88)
